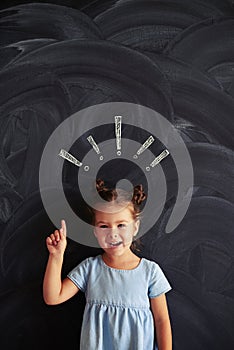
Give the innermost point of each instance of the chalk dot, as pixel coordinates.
(101, 158)
(147, 168)
(86, 168)
(118, 153)
(135, 156)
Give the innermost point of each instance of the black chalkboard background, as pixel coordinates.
(176, 57)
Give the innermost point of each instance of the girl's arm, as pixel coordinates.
(56, 291)
(162, 322)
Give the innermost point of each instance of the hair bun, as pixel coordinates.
(100, 185)
(138, 194)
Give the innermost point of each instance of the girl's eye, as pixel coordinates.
(122, 226)
(103, 226)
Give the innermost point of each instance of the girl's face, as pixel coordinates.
(115, 230)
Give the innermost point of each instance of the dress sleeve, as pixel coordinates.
(79, 275)
(158, 283)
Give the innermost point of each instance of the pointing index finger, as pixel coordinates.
(64, 228)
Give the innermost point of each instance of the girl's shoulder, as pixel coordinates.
(158, 282)
(153, 268)
(150, 263)
(81, 272)
(87, 263)
(90, 260)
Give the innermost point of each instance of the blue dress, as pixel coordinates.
(117, 314)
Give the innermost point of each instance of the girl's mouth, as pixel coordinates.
(116, 244)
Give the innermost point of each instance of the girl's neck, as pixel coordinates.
(128, 260)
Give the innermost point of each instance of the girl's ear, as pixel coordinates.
(136, 227)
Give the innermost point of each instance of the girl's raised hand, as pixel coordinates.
(56, 243)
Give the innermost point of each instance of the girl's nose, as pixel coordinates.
(113, 233)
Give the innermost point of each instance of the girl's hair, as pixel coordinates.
(121, 196)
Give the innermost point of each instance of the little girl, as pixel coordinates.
(125, 294)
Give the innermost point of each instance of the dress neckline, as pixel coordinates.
(114, 268)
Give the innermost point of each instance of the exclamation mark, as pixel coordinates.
(118, 121)
(64, 154)
(145, 145)
(158, 159)
(94, 145)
